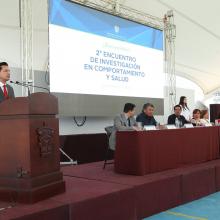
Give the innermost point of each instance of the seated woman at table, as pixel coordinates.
(196, 120)
(205, 117)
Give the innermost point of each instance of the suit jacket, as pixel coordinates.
(120, 124)
(146, 120)
(10, 93)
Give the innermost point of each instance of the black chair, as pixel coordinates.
(108, 152)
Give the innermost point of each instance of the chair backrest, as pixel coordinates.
(109, 130)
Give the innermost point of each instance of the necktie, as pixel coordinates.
(5, 92)
(129, 122)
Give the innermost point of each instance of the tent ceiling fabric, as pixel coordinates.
(197, 42)
(198, 37)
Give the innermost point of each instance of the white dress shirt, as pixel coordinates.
(2, 86)
(186, 113)
(205, 121)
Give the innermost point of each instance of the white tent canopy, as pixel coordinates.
(197, 42)
(198, 37)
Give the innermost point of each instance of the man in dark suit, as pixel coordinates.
(177, 116)
(6, 91)
(146, 117)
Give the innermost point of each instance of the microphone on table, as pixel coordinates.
(29, 85)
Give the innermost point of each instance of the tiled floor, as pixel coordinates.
(207, 208)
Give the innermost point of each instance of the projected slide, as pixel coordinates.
(92, 52)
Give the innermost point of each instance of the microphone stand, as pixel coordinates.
(24, 85)
(28, 86)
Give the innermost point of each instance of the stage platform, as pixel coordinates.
(96, 194)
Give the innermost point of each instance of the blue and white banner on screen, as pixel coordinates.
(92, 52)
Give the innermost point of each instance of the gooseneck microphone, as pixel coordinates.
(20, 84)
(28, 86)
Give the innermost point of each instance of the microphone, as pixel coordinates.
(28, 85)
(33, 86)
(20, 84)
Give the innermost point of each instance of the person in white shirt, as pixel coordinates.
(205, 117)
(185, 109)
(196, 120)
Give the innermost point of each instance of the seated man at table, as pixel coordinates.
(146, 117)
(177, 115)
(123, 122)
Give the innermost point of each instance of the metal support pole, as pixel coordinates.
(169, 58)
(26, 23)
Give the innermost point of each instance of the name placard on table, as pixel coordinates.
(150, 128)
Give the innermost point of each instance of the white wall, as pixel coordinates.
(92, 125)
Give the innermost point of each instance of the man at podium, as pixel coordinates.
(6, 91)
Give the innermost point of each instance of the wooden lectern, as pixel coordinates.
(29, 149)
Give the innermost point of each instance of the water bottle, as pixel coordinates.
(177, 123)
(180, 123)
